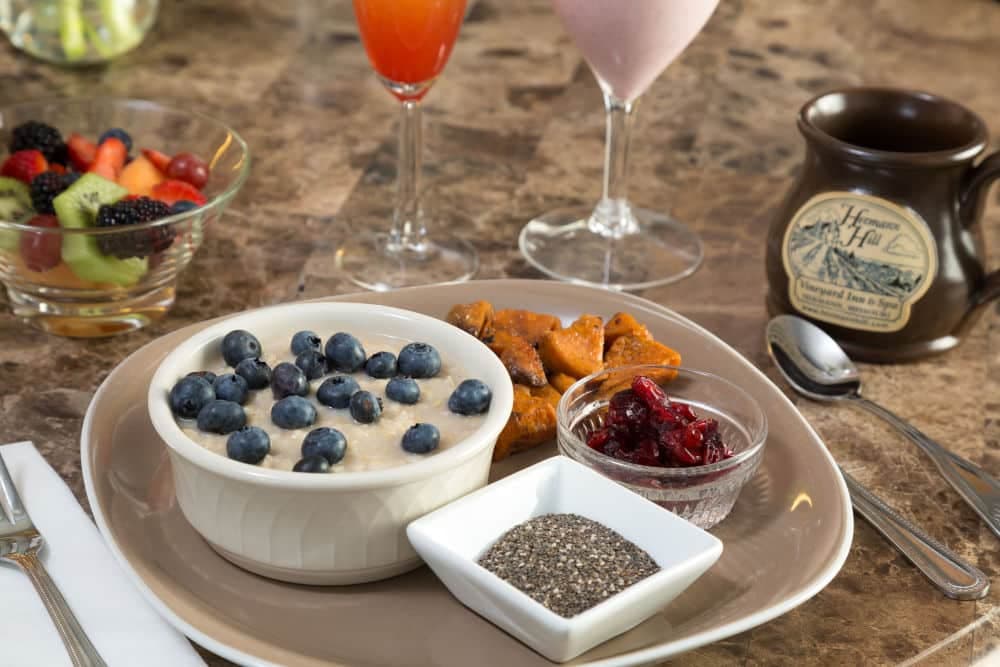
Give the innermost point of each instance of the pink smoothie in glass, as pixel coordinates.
(629, 42)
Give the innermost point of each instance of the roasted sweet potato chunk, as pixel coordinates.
(519, 357)
(561, 382)
(576, 350)
(632, 350)
(526, 324)
(532, 422)
(547, 392)
(623, 324)
(474, 318)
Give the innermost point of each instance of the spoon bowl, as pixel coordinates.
(810, 360)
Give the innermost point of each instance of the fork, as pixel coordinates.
(20, 543)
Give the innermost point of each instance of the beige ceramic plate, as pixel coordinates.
(784, 541)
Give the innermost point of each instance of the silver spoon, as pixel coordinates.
(949, 572)
(816, 367)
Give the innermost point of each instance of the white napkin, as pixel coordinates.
(120, 623)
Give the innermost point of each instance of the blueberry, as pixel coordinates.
(403, 390)
(189, 396)
(336, 392)
(344, 352)
(256, 372)
(421, 438)
(231, 387)
(239, 345)
(366, 407)
(208, 376)
(288, 380)
(119, 134)
(250, 444)
(326, 442)
(312, 464)
(293, 412)
(471, 397)
(221, 417)
(182, 206)
(381, 365)
(306, 340)
(419, 360)
(312, 363)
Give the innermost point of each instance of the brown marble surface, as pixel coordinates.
(514, 128)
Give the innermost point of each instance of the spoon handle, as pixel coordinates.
(946, 570)
(977, 487)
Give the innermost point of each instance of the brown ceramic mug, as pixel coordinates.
(878, 241)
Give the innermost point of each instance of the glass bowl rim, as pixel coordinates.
(212, 204)
(574, 443)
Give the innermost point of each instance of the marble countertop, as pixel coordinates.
(515, 127)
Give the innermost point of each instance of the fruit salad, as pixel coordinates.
(74, 183)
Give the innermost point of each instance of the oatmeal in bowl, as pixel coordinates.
(303, 438)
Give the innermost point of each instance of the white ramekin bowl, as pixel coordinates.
(324, 529)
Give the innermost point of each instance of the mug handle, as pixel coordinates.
(977, 181)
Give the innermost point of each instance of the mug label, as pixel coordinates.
(858, 261)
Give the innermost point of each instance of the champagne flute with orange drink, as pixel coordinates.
(408, 44)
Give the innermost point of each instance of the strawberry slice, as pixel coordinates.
(110, 159)
(82, 151)
(159, 160)
(24, 165)
(57, 168)
(170, 192)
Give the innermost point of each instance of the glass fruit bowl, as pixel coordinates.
(78, 281)
(702, 494)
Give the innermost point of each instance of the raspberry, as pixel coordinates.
(40, 137)
(141, 243)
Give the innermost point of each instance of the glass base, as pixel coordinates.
(658, 250)
(370, 262)
(78, 317)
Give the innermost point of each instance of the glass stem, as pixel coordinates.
(408, 232)
(613, 216)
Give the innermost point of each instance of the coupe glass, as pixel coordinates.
(408, 43)
(616, 245)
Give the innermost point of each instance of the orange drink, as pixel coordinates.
(409, 41)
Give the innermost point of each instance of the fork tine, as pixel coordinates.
(9, 498)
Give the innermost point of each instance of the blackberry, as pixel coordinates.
(40, 137)
(141, 243)
(148, 209)
(46, 187)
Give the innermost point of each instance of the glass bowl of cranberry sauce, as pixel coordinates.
(685, 439)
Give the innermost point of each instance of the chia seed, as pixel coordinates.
(567, 562)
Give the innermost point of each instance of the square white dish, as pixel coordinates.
(452, 539)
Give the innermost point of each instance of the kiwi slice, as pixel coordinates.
(15, 206)
(77, 208)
